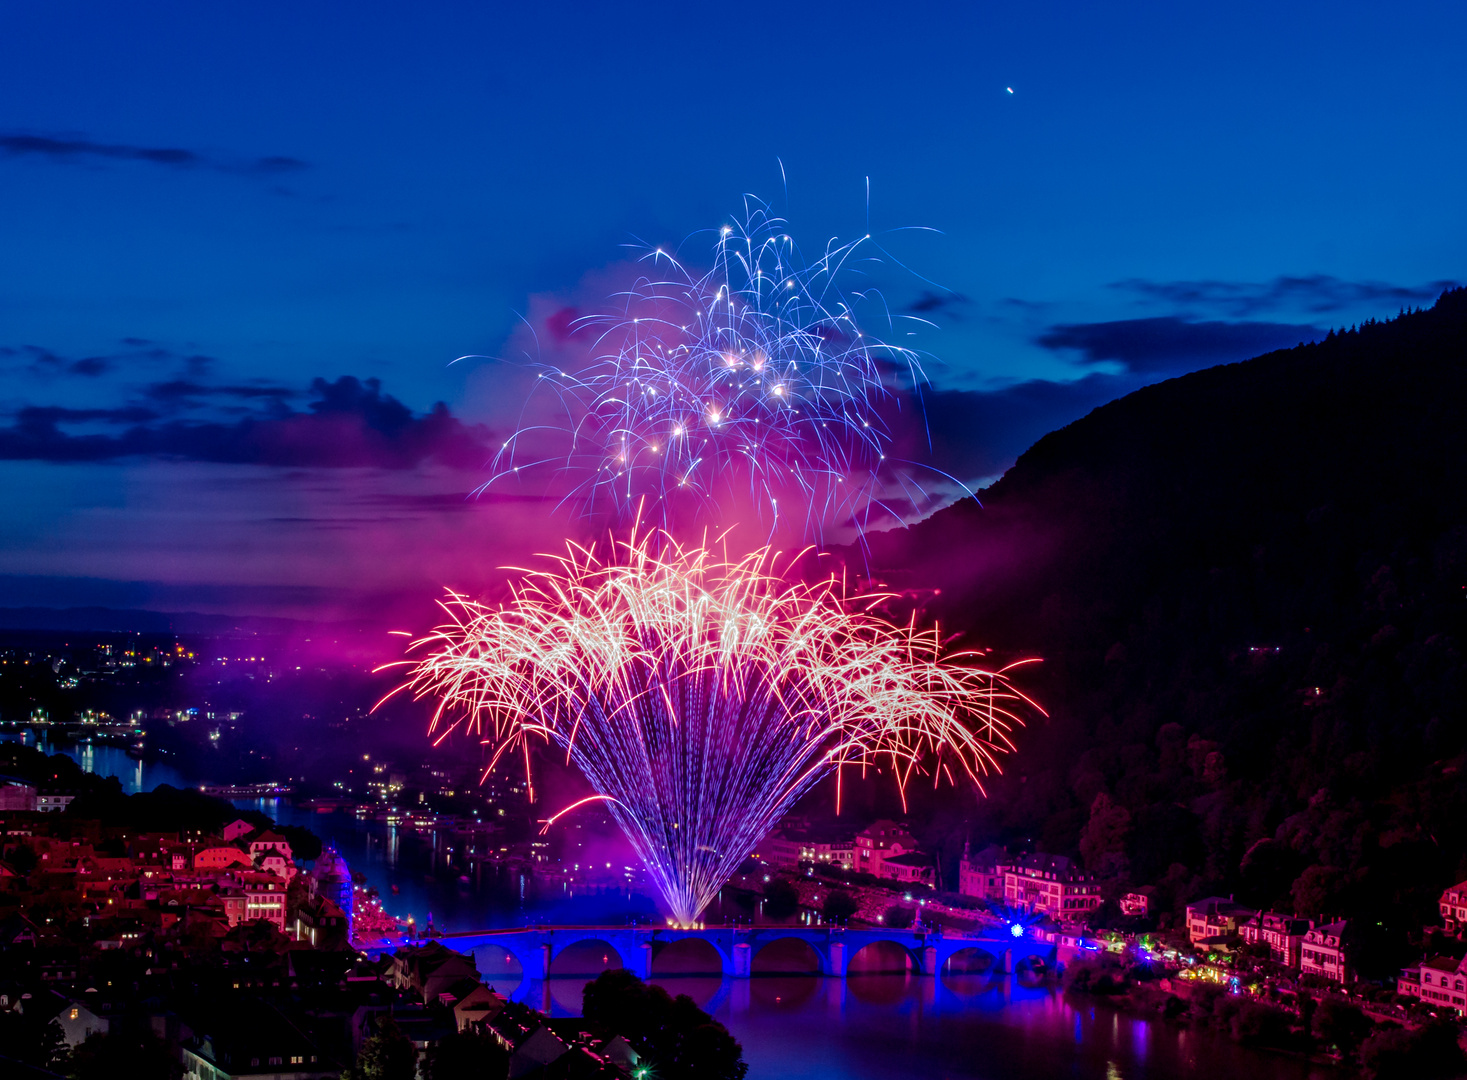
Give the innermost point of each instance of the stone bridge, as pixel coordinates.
(536, 948)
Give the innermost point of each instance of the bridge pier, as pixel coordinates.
(837, 960)
(929, 960)
(536, 961)
(743, 960)
(639, 959)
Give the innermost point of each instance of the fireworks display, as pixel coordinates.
(702, 695)
(709, 395)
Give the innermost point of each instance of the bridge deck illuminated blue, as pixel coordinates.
(536, 948)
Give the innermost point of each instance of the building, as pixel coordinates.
(82, 1018)
(16, 795)
(1214, 921)
(1323, 952)
(271, 853)
(264, 898)
(1441, 981)
(1454, 907)
(1050, 885)
(331, 878)
(911, 868)
(878, 842)
(1137, 904)
(1283, 934)
(321, 923)
(235, 829)
(252, 1039)
(981, 875)
(790, 847)
(220, 856)
(53, 802)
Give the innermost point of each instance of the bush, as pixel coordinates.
(897, 917)
(780, 899)
(1095, 975)
(1341, 1025)
(839, 906)
(676, 1039)
(1430, 1052)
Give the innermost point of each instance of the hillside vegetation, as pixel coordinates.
(1249, 588)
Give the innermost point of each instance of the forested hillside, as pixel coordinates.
(1249, 588)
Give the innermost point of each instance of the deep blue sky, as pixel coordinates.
(206, 207)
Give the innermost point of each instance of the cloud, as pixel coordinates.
(49, 363)
(77, 149)
(350, 423)
(1171, 345)
(1317, 293)
(933, 303)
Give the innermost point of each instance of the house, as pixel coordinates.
(1440, 981)
(1323, 953)
(534, 1052)
(267, 841)
(1049, 885)
(16, 795)
(878, 842)
(235, 829)
(252, 1039)
(1283, 934)
(264, 897)
(53, 801)
(430, 970)
(81, 1018)
(478, 1006)
(1137, 904)
(1454, 907)
(790, 847)
(220, 857)
(1213, 922)
(319, 921)
(981, 875)
(912, 868)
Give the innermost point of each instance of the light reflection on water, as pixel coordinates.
(884, 1027)
(792, 1026)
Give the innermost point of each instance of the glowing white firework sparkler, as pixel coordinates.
(701, 696)
(748, 385)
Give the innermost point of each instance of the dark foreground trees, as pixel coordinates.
(675, 1038)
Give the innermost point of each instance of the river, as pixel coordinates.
(793, 1027)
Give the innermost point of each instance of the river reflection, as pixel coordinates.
(884, 1027)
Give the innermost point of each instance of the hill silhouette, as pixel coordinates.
(1249, 587)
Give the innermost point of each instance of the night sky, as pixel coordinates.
(221, 222)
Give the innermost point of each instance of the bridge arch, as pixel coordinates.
(583, 956)
(788, 954)
(690, 955)
(499, 966)
(883, 956)
(976, 959)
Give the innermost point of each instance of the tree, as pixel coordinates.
(780, 899)
(1430, 1052)
(1316, 890)
(839, 906)
(34, 1042)
(676, 1039)
(1341, 1025)
(106, 1057)
(466, 1055)
(897, 917)
(386, 1055)
(1103, 845)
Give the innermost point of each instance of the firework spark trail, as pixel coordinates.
(701, 696)
(749, 384)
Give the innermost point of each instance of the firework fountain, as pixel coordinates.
(701, 694)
